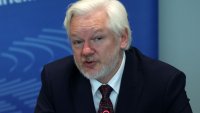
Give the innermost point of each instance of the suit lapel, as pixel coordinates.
(82, 96)
(131, 86)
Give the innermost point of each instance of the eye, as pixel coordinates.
(77, 43)
(98, 38)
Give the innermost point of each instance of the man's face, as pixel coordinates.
(97, 51)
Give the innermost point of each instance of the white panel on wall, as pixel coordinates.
(179, 42)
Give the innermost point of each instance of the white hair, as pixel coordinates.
(117, 15)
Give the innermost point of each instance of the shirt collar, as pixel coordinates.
(114, 82)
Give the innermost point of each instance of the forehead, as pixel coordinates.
(93, 20)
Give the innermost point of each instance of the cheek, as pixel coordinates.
(107, 50)
(105, 55)
(76, 53)
(77, 57)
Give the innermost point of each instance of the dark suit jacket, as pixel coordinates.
(148, 86)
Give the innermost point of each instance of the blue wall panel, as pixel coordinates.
(32, 34)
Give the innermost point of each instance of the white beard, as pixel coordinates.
(105, 70)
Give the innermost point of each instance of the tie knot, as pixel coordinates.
(105, 91)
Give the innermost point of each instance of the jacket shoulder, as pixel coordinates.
(153, 69)
(60, 68)
(65, 62)
(150, 64)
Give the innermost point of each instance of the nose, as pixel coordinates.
(87, 49)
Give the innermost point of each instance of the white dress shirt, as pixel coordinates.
(115, 83)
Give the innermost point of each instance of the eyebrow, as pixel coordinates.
(95, 32)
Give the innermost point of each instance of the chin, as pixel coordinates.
(96, 75)
(90, 76)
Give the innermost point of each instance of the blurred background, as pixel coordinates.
(32, 34)
(179, 38)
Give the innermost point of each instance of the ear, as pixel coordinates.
(124, 39)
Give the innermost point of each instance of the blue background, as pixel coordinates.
(32, 34)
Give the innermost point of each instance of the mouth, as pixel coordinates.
(89, 64)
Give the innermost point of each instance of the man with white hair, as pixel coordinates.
(105, 74)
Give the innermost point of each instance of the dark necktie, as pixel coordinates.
(105, 105)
